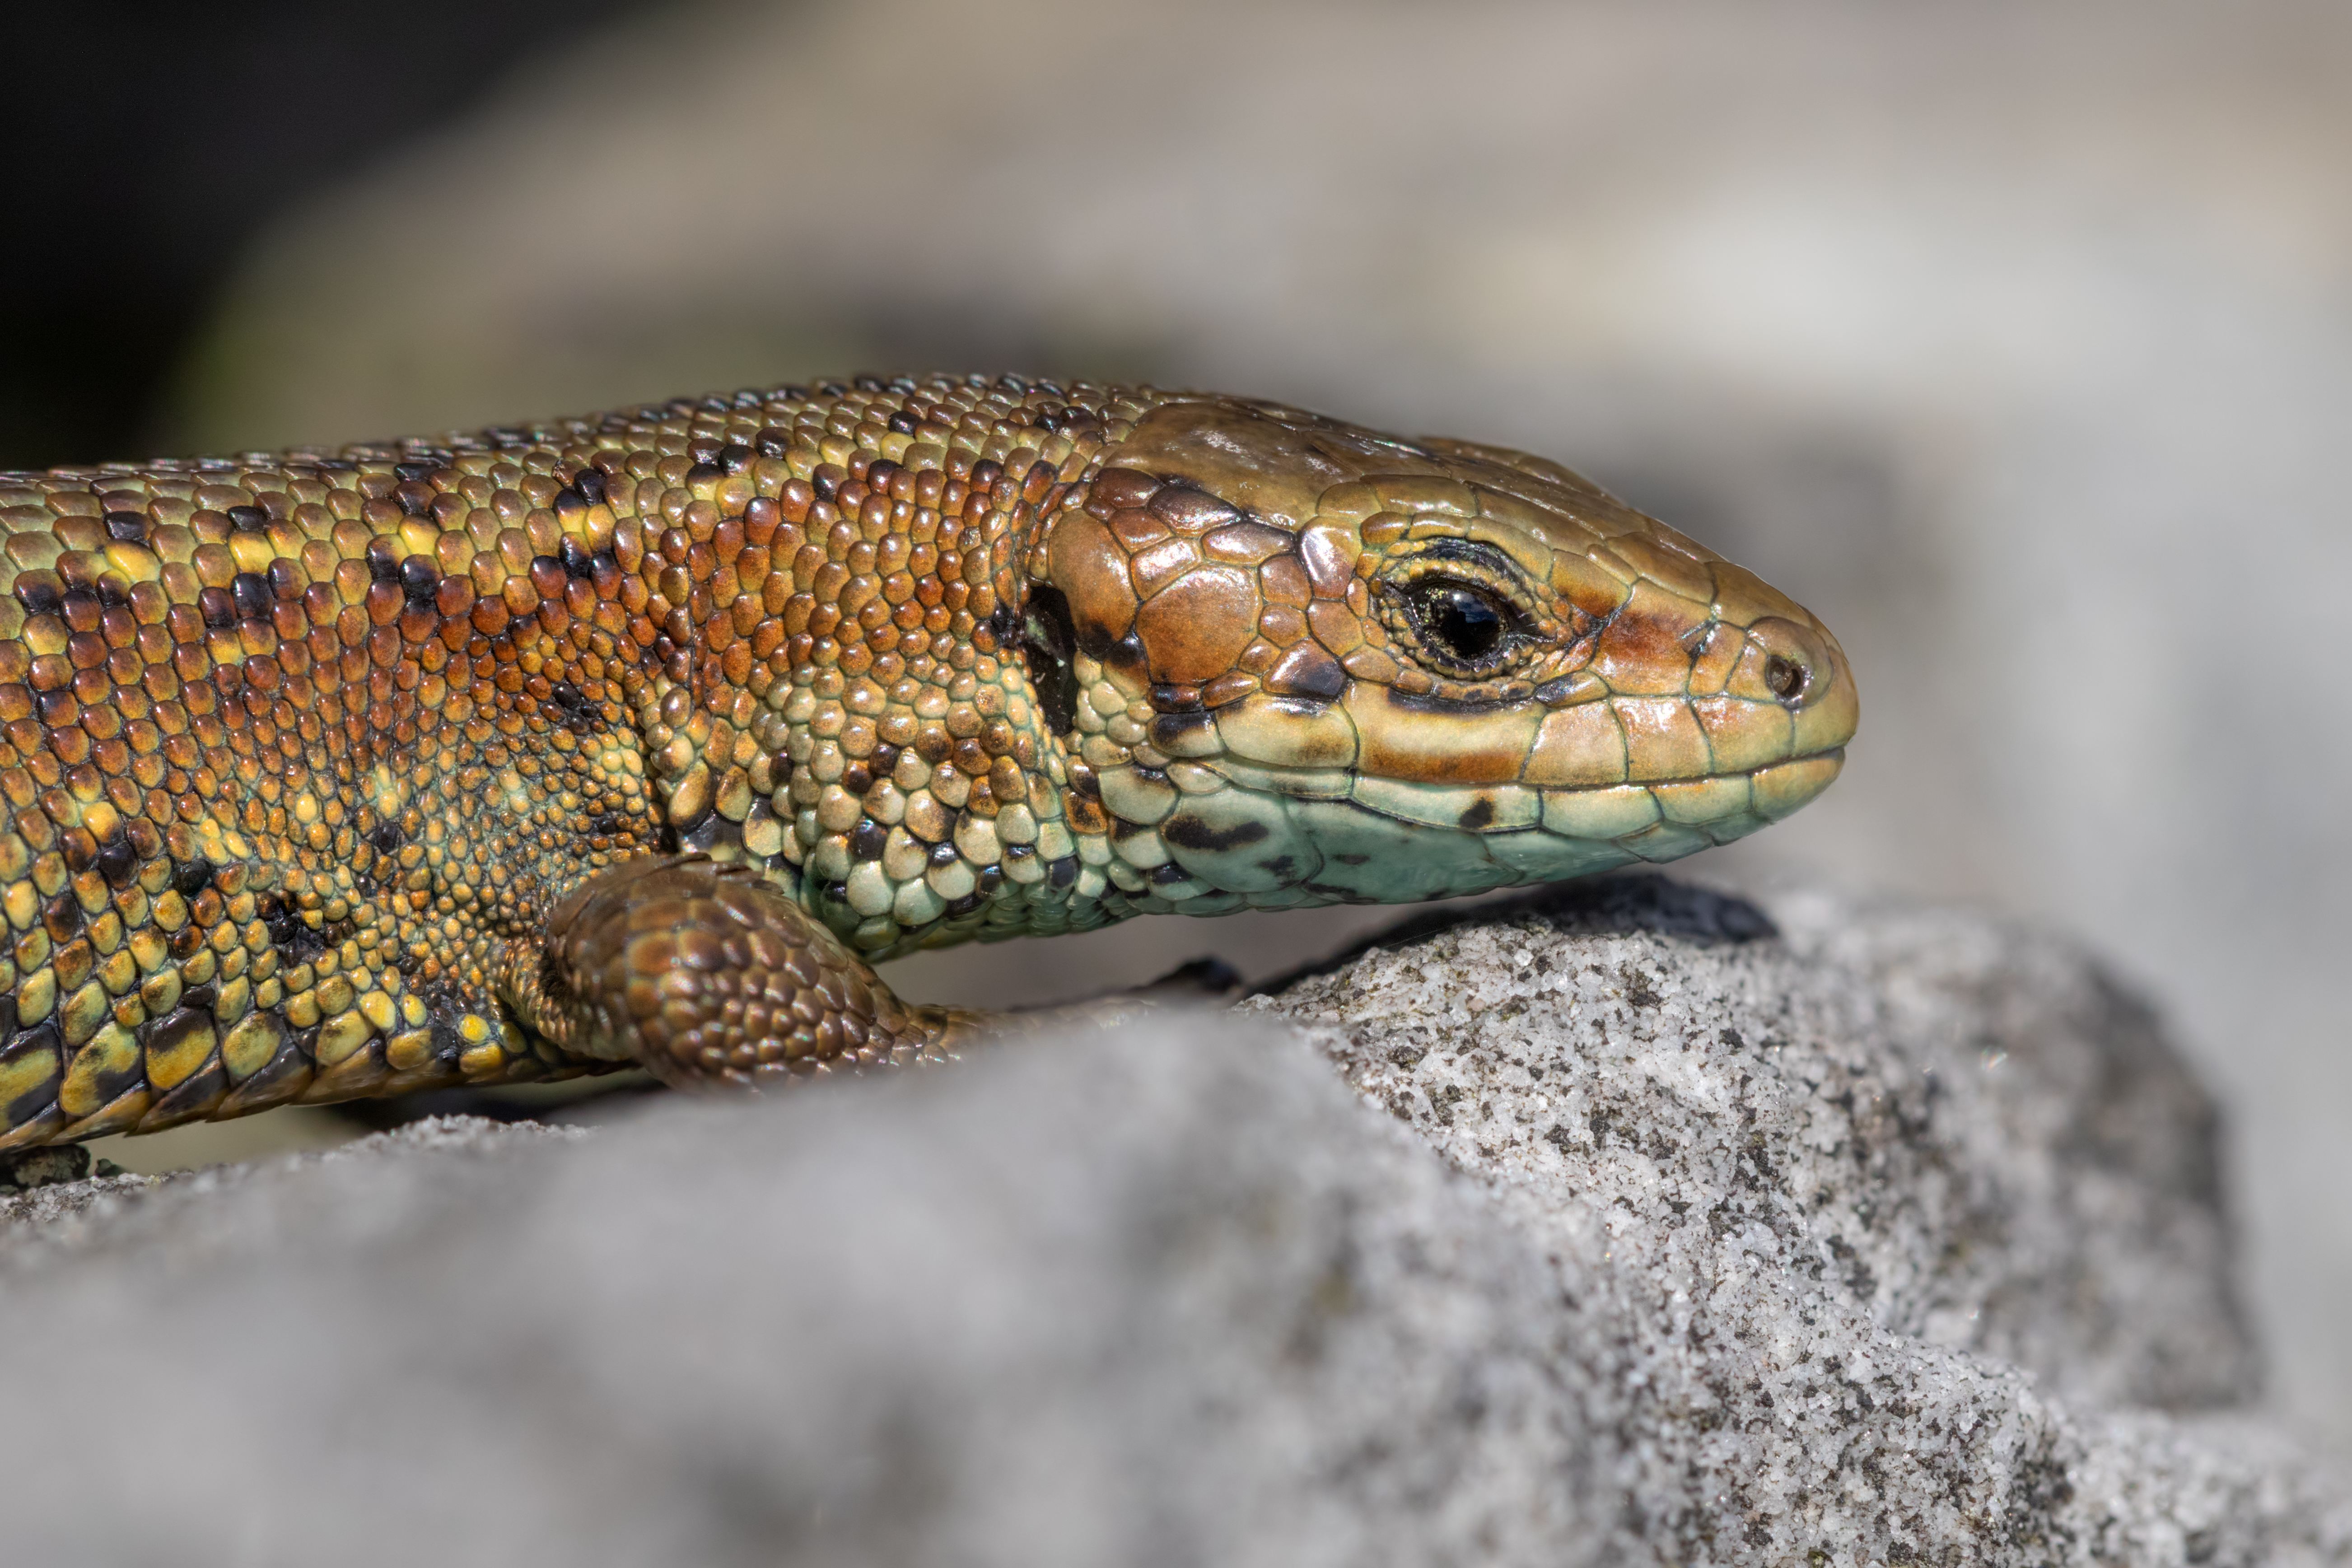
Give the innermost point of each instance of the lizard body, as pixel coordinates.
(637, 738)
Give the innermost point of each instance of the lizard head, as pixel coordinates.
(1309, 663)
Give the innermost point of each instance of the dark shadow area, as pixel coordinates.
(147, 143)
(1611, 905)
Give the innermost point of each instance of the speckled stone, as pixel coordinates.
(1177, 1294)
(1889, 1228)
(1958, 1128)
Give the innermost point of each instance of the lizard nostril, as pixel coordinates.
(1785, 663)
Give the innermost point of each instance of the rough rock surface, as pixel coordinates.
(1876, 1208)
(1956, 1128)
(1887, 1235)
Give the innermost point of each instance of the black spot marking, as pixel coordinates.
(449, 1045)
(943, 854)
(1061, 419)
(1173, 732)
(591, 486)
(419, 582)
(294, 1057)
(574, 556)
(172, 1028)
(704, 474)
(1479, 813)
(250, 592)
(1048, 639)
(249, 519)
(735, 457)
(41, 1038)
(1432, 703)
(383, 565)
(413, 471)
(117, 860)
(190, 878)
(572, 709)
(903, 423)
(62, 917)
(131, 527)
(218, 606)
(385, 838)
(1192, 833)
(867, 839)
(297, 940)
(1167, 699)
(1321, 678)
(1064, 872)
(1163, 875)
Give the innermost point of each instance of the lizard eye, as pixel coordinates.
(1462, 624)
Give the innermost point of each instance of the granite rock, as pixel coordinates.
(1893, 1230)
(1656, 1226)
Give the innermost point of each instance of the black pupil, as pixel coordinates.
(1467, 622)
(1786, 677)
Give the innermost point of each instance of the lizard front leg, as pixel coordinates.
(706, 976)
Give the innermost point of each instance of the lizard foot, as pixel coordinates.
(707, 976)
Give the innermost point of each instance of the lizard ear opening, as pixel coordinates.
(1048, 640)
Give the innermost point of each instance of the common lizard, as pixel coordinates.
(638, 739)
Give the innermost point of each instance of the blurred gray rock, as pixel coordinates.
(1799, 1232)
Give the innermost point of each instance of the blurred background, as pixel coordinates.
(2014, 340)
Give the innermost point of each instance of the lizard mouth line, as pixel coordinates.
(1273, 776)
